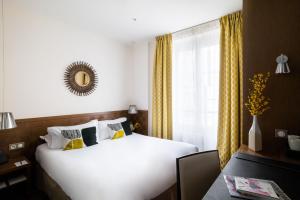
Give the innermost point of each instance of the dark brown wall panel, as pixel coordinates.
(29, 130)
(272, 27)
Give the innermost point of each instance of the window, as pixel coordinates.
(196, 85)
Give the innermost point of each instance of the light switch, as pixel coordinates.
(18, 164)
(24, 162)
(281, 133)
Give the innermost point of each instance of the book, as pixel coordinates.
(231, 185)
(255, 187)
(230, 182)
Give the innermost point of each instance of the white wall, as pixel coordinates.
(140, 79)
(151, 54)
(39, 48)
(1, 61)
(37, 51)
(142, 66)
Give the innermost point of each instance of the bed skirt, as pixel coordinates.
(46, 184)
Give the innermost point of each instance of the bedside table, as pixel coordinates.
(13, 177)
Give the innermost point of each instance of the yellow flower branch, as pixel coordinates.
(257, 103)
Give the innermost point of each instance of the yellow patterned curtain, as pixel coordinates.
(162, 88)
(231, 74)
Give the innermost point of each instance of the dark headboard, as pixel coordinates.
(29, 130)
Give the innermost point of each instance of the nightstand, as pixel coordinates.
(15, 177)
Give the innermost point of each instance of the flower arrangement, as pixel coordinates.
(257, 103)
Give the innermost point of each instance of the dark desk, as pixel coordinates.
(287, 176)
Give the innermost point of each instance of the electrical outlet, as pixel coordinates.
(20, 145)
(281, 133)
(12, 147)
(16, 146)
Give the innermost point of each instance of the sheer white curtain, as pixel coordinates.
(196, 85)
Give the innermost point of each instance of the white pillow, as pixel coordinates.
(104, 131)
(57, 140)
(47, 138)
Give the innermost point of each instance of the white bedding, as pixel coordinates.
(135, 167)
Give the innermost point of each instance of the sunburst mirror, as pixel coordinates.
(81, 78)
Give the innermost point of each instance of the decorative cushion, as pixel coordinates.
(72, 139)
(89, 136)
(57, 138)
(126, 127)
(104, 131)
(117, 131)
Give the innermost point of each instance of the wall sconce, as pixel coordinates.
(7, 121)
(282, 65)
(132, 110)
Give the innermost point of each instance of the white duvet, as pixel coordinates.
(135, 167)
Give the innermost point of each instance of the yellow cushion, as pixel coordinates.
(118, 134)
(72, 139)
(74, 144)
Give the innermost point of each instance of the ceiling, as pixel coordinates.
(114, 18)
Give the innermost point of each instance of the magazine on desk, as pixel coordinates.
(254, 188)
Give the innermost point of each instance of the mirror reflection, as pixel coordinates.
(82, 78)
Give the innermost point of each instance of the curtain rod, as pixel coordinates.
(196, 25)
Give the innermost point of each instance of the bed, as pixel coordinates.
(135, 167)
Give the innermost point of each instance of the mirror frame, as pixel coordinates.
(69, 78)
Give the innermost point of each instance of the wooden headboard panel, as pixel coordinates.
(29, 130)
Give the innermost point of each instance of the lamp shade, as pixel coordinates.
(132, 109)
(282, 65)
(7, 121)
